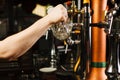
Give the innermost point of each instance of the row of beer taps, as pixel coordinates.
(83, 27)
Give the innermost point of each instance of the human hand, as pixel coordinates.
(58, 14)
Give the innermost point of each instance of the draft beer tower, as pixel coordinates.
(98, 42)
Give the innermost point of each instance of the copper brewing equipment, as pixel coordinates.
(98, 42)
(93, 40)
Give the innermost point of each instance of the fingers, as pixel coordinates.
(58, 14)
(65, 16)
(64, 13)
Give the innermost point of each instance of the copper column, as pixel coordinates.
(98, 42)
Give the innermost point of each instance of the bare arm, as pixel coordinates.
(17, 44)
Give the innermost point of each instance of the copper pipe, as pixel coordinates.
(98, 34)
(98, 42)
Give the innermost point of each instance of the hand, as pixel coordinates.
(58, 14)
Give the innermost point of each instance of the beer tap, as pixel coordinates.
(113, 67)
(73, 9)
(107, 23)
(87, 32)
(109, 18)
(85, 39)
(53, 55)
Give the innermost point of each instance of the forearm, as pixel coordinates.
(16, 45)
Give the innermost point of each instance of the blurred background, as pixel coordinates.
(16, 15)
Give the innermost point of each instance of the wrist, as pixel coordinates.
(48, 19)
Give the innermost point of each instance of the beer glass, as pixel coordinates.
(62, 30)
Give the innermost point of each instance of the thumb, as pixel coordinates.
(49, 9)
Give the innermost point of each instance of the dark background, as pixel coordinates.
(14, 19)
